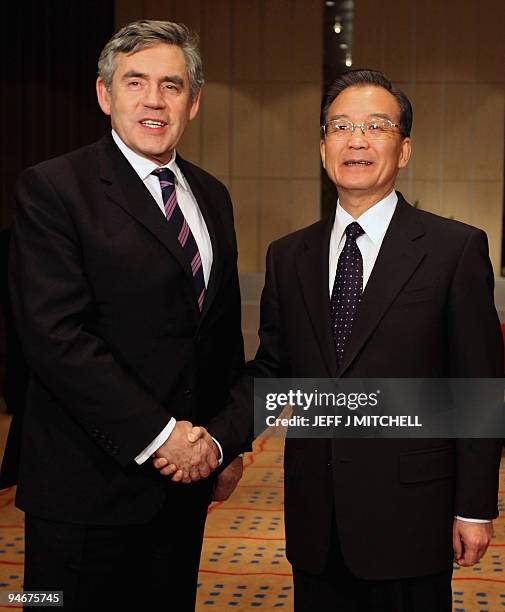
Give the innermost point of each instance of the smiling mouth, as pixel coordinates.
(151, 123)
(357, 163)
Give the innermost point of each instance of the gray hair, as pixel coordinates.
(140, 35)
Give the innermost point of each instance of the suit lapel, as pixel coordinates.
(312, 271)
(398, 258)
(123, 186)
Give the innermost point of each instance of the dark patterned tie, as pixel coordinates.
(186, 239)
(347, 289)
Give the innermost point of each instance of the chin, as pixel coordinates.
(155, 150)
(356, 185)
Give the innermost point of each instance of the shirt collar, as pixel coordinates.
(374, 221)
(144, 167)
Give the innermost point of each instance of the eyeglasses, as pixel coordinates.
(373, 129)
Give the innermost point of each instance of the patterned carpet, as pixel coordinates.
(243, 564)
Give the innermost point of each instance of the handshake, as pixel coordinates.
(190, 454)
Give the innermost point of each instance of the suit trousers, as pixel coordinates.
(132, 567)
(336, 589)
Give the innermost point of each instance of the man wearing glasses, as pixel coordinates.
(381, 290)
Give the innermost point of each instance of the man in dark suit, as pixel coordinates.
(379, 290)
(125, 291)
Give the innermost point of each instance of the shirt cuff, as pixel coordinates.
(472, 520)
(160, 439)
(220, 451)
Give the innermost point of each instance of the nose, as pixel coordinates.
(153, 97)
(357, 139)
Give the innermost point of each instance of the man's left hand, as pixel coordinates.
(470, 541)
(227, 480)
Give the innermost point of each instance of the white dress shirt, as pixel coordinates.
(374, 222)
(189, 207)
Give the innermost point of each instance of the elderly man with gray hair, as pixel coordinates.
(125, 292)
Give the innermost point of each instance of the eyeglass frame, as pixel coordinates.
(361, 126)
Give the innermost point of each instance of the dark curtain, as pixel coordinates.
(48, 105)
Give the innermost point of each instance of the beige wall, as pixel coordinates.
(258, 128)
(449, 57)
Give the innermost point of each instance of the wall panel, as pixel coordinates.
(453, 69)
(258, 126)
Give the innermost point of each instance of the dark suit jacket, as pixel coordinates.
(427, 311)
(105, 306)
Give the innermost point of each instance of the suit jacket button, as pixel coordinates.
(188, 393)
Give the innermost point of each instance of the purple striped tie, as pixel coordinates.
(181, 228)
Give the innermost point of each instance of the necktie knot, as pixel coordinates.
(165, 176)
(353, 230)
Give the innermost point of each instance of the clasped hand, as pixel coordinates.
(188, 454)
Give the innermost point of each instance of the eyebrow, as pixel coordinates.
(380, 115)
(173, 78)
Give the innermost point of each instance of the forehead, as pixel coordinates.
(160, 59)
(364, 100)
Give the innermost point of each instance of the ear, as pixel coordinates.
(322, 150)
(195, 105)
(405, 152)
(103, 95)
